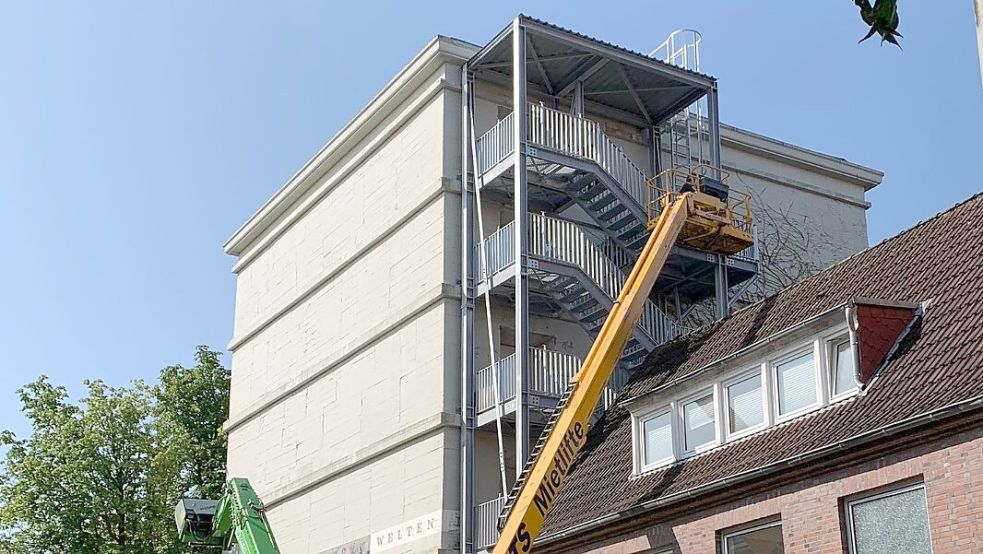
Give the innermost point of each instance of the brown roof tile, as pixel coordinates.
(938, 363)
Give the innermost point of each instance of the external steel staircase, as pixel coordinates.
(575, 272)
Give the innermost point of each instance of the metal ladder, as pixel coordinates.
(517, 486)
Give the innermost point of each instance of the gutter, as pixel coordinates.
(945, 412)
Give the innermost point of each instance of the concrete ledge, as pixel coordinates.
(446, 186)
(405, 436)
(795, 184)
(422, 304)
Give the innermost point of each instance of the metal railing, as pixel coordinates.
(486, 522)
(549, 374)
(749, 254)
(566, 242)
(583, 138)
(496, 144)
(499, 250)
(568, 134)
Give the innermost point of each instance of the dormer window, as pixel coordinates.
(699, 423)
(781, 377)
(745, 404)
(657, 438)
(796, 382)
(843, 374)
(787, 383)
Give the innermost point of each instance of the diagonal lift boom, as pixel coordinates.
(701, 215)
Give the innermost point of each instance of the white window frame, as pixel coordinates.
(638, 430)
(819, 344)
(848, 512)
(830, 344)
(680, 415)
(746, 530)
(773, 364)
(725, 403)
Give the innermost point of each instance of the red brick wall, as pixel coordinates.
(811, 510)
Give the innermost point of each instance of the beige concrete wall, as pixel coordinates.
(345, 359)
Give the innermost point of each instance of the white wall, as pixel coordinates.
(346, 351)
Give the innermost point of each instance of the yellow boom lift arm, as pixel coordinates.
(702, 214)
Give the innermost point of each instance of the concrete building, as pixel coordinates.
(842, 415)
(352, 344)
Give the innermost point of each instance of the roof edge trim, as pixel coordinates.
(440, 47)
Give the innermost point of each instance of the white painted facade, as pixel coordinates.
(346, 348)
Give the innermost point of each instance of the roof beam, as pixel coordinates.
(570, 81)
(638, 89)
(539, 65)
(631, 90)
(542, 59)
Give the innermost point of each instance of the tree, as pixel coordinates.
(196, 401)
(102, 475)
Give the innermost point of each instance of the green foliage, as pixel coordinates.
(101, 476)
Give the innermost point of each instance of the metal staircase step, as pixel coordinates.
(591, 191)
(600, 201)
(582, 304)
(622, 222)
(572, 294)
(630, 231)
(614, 211)
(591, 315)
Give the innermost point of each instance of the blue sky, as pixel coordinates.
(136, 136)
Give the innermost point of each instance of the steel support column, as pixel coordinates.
(578, 99)
(721, 287)
(521, 202)
(655, 151)
(713, 114)
(467, 323)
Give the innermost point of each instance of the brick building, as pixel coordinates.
(843, 414)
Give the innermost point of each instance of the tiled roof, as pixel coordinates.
(938, 363)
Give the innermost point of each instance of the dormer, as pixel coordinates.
(802, 369)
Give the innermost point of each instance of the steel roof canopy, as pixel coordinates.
(617, 82)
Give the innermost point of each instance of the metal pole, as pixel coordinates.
(720, 287)
(467, 326)
(978, 9)
(655, 151)
(578, 98)
(521, 218)
(713, 107)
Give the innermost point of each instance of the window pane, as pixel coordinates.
(844, 371)
(891, 524)
(796, 384)
(698, 422)
(744, 404)
(759, 541)
(658, 438)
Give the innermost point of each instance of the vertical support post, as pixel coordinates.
(578, 98)
(721, 285)
(521, 218)
(713, 109)
(467, 323)
(655, 151)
